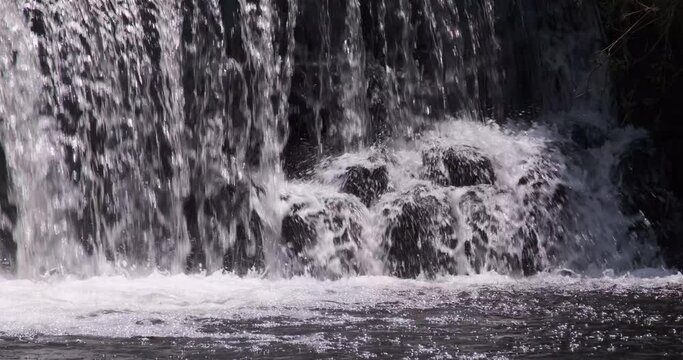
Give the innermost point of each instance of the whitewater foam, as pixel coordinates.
(183, 305)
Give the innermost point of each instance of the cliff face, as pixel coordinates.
(645, 52)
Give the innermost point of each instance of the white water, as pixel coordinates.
(107, 146)
(173, 306)
(594, 233)
(120, 142)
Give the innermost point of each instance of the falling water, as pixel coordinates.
(360, 178)
(328, 138)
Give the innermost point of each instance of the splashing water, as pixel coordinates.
(207, 178)
(287, 138)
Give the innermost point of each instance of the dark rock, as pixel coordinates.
(458, 166)
(231, 204)
(521, 255)
(8, 218)
(588, 136)
(646, 195)
(367, 185)
(529, 262)
(509, 260)
(301, 152)
(307, 224)
(377, 95)
(545, 217)
(247, 251)
(8, 249)
(197, 258)
(297, 232)
(420, 231)
(225, 211)
(543, 184)
(476, 215)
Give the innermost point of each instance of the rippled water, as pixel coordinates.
(487, 316)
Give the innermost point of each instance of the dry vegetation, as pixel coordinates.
(646, 57)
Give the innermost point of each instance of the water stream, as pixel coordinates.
(247, 175)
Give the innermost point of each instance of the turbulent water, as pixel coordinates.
(478, 317)
(322, 149)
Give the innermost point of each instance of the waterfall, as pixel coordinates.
(321, 137)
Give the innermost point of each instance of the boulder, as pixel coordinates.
(545, 221)
(457, 166)
(519, 252)
(297, 230)
(544, 189)
(367, 185)
(420, 235)
(332, 227)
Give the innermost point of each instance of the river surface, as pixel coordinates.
(478, 317)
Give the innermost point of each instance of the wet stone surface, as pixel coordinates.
(420, 235)
(458, 166)
(366, 184)
(307, 226)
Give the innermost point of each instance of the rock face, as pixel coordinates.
(247, 251)
(220, 210)
(645, 195)
(367, 185)
(476, 215)
(420, 235)
(587, 136)
(518, 254)
(301, 150)
(323, 238)
(8, 219)
(543, 214)
(457, 166)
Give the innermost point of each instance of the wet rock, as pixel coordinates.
(367, 185)
(301, 152)
(420, 235)
(247, 251)
(646, 196)
(545, 220)
(229, 206)
(196, 259)
(587, 136)
(477, 216)
(377, 95)
(458, 166)
(521, 258)
(8, 247)
(331, 227)
(225, 211)
(529, 261)
(520, 246)
(542, 192)
(297, 230)
(8, 219)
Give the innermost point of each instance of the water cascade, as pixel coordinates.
(328, 138)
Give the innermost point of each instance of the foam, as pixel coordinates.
(179, 305)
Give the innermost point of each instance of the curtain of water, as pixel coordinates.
(150, 134)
